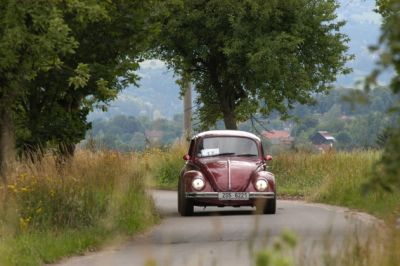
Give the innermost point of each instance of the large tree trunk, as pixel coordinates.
(228, 109)
(229, 119)
(225, 98)
(229, 116)
(7, 143)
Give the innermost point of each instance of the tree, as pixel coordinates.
(390, 47)
(109, 45)
(253, 56)
(309, 123)
(33, 39)
(344, 139)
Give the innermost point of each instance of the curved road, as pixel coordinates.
(222, 236)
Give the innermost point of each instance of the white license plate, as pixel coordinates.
(233, 195)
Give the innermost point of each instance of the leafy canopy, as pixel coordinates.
(107, 40)
(253, 56)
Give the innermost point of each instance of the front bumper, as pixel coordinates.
(214, 195)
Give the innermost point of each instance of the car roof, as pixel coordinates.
(226, 133)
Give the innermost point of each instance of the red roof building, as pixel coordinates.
(278, 137)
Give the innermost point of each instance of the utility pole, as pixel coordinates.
(187, 110)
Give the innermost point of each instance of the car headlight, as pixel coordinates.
(261, 185)
(198, 183)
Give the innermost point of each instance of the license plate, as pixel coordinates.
(233, 195)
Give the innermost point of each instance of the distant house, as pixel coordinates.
(323, 141)
(278, 137)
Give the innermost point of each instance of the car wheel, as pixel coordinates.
(270, 206)
(185, 206)
(266, 206)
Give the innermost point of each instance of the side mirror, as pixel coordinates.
(268, 157)
(186, 157)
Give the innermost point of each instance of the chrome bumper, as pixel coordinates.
(214, 195)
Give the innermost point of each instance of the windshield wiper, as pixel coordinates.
(226, 154)
(247, 155)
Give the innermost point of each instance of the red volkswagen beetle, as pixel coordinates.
(226, 168)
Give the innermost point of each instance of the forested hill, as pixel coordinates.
(353, 125)
(158, 95)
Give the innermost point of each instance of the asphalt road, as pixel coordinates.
(229, 236)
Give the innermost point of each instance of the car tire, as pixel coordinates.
(185, 206)
(270, 206)
(266, 206)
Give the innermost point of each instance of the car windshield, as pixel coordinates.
(229, 146)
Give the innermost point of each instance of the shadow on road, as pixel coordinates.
(223, 213)
(215, 211)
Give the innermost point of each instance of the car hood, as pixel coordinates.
(228, 174)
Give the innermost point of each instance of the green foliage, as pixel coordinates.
(52, 213)
(254, 56)
(278, 254)
(132, 134)
(355, 126)
(168, 166)
(81, 78)
(388, 171)
(109, 38)
(65, 58)
(38, 248)
(336, 178)
(33, 40)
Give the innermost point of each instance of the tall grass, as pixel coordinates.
(166, 165)
(340, 178)
(52, 210)
(334, 178)
(356, 250)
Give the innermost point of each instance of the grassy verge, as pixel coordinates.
(53, 211)
(334, 178)
(166, 166)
